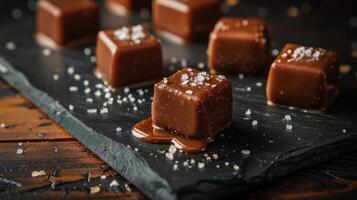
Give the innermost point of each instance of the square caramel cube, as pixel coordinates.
(129, 55)
(188, 19)
(65, 23)
(240, 45)
(304, 77)
(192, 103)
(126, 7)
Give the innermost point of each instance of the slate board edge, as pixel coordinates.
(118, 156)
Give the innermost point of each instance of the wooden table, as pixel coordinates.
(31, 142)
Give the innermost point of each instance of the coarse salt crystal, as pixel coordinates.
(38, 173)
(189, 92)
(114, 183)
(73, 88)
(201, 165)
(89, 100)
(175, 167)
(289, 127)
(92, 111)
(169, 155)
(172, 149)
(95, 189)
(70, 107)
(254, 123)
(85, 82)
(248, 112)
(19, 151)
(46, 52)
(287, 117)
(245, 152)
(236, 167)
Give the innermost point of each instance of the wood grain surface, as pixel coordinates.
(30, 141)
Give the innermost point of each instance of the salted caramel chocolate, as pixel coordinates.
(129, 55)
(303, 77)
(192, 103)
(67, 23)
(126, 7)
(240, 45)
(188, 19)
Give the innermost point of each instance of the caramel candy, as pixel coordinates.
(188, 19)
(129, 55)
(67, 23)
(303, 77)
(240, 45)
(125, 7)
(193, 104)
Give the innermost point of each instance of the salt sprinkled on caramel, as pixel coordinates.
(132, 34)
(308, 53)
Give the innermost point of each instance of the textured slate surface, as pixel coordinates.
(275, 151)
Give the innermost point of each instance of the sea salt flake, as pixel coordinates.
(46, 52)
(287, 117)
(201, 165)
(245, 152)
(85, 82)
(254, 123)
(236, 167)
(189, 92)
(114, 183)
(38, 173)
(175, 167)
(19, 151)
(10, 46)
(92, 111)
(289, 127)
(95, 189)
(73, 88)
(70, 107)
(70, 70)
(172, 149)
(77, 77)
(55, 77)
(169, 155)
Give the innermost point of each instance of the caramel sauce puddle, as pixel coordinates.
(145, 132)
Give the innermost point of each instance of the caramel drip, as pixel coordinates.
(145, 132)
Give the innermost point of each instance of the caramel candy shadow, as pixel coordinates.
(145, 131)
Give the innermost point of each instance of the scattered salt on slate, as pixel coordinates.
(114, 183)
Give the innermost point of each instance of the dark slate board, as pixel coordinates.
(275, 151)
